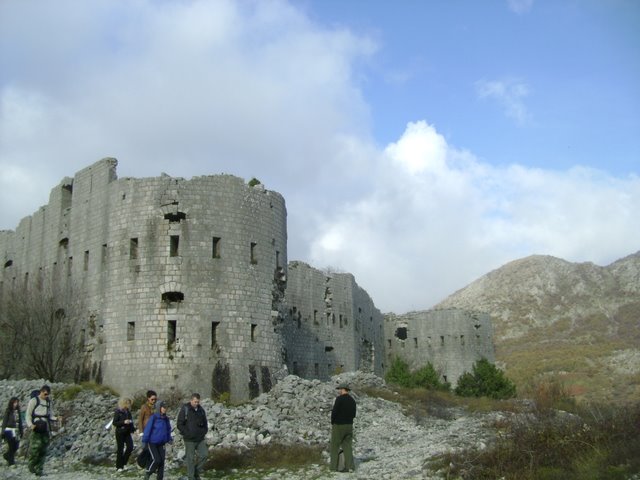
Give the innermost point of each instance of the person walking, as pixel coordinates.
(157, 434)
(123, 425)
(39, 416)
(147, 410)
(192, 424)
(12, 430)
(342, 415)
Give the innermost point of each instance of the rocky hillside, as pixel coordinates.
(389, 443)
(576, 321)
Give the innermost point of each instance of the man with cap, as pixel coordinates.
(342, 415)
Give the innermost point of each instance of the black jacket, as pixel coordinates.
(192, 423)
(118, 421)
(9, 421)
(344, 410)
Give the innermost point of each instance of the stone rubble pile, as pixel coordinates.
(388, 443)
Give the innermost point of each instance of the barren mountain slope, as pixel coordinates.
(574, 320)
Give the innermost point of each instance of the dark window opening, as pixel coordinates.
(171, 333)
(253, 332)
(295, 368)
(103, 260)
(69, 266)
(389, 341)
(415, 342)
(328, 349)
(441, 340)
(174, 244)
(401, 333)
(8, 263)
(315, 317)
(215, 251)
(64, 243)
(214, 333)
(131, 331)
(172, 297)
(86, 260)
(461, 339)
(254, 259)
(175, 217)
(316, 369)
(277, 258)
(340, 320)
(133, 248)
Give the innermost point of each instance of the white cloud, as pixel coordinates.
(510, 94)
(419, 234)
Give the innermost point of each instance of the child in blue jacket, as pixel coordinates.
(157, 433)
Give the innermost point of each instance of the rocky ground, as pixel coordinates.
(389, 443)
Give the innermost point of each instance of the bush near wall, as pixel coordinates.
(486, 380)
(425, 377)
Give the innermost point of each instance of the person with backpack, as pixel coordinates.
(12, 430)
(123, 425)
(192, 424)
(157, 434)
(39, 417)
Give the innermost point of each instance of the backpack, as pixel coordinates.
(40, 428)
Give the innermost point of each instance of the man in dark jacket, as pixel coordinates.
(342, 415)
(192, 423)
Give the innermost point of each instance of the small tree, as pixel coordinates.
(44, 323)
(485, 381)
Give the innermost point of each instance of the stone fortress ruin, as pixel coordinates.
(185, 284)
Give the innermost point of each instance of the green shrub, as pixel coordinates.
(425, 377)
(485, 381)
(253, 182)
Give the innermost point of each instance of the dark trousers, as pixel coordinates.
(12, 447)
(341, 438)
(157, 460)
(124, 447)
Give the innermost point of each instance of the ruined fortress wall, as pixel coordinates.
(332, 324)
(452, 340)
(177, 276)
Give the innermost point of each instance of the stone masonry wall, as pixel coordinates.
(332, 324)
(452, 340)
(177, 276)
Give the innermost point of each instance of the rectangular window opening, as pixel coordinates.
(86, 260)
(131, 331)
(214, 333)
(253, 332)
(254, 259)
(215, 247)
(103, 260)
(415, 342)
(171, 333)
(174, 244)
(133, 248)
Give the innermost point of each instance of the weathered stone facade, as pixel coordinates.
(177, 275)
(331, 326)
(452, 340)
(185, 284)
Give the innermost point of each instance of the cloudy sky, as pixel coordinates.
(418, 144)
